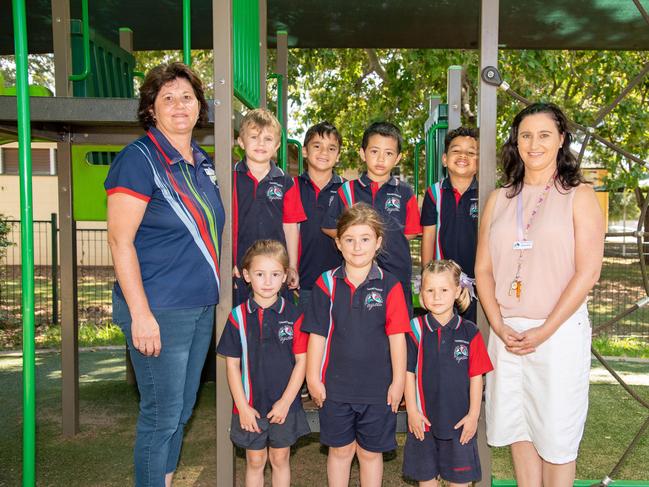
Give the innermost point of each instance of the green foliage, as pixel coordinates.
(634, 347)
(5, 228)
(352, 87)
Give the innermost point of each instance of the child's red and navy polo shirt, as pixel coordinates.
(397, 204)
(179, 237)
(317, 252)
(262, 207)
(356, 322)
(444, 358)
(267, 341)
(457, 234)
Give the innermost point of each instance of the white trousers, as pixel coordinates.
(541, 397)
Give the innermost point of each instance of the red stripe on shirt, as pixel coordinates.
(413, 223)
(300, 339)
(397, 319)
(293, 209)
(235, 218)
(130, 192)
(479, 361)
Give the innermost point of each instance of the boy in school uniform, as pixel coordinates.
(449, 214)
(265, 200)
(318, 186)
(393, 199)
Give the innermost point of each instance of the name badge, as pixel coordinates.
(523, 245)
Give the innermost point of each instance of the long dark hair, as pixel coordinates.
(568, 171)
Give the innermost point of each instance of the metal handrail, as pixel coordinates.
(86, 43)
(280, 117)
(300, 157)
(27, 244)
(187, 32)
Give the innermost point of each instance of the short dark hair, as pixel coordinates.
(159, 76)
(568, 170)
(459, 132)
(323, 129)
(386, 129)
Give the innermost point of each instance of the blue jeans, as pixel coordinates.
(168, 385)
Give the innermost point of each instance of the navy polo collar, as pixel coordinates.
(277, 306)
(446, 183)
(433, 324)
(335, 178)
(275, 171)
(173, 155)
(375, 273)
(365, 180)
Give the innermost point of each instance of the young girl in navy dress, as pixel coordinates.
(265, 353)
(356, 359)
(446, 360)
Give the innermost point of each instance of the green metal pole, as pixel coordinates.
(27, 244)
(418, 147)
(86, 44)
(54, 233)
(300, 158)
(187, 32)
(280, 116)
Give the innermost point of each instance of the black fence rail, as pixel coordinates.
(619, 287)
(95, 275)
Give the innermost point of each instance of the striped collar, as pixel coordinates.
(171, 152)
(433, 324)
(278, 306)
(274, 172)
(365, 180)
(335, 178)
(375, 272)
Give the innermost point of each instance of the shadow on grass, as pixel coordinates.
(101, 455)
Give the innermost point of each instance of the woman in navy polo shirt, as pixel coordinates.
(165, 219)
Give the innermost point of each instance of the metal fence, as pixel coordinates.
(95, 275)
(619, 287)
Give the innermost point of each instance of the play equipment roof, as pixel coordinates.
(524, 24)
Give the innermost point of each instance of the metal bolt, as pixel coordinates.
(217, 103)
(221, 81)
(490, 74)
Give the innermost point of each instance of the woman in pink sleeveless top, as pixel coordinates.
(540, 249)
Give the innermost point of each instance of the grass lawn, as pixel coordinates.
(101, 454)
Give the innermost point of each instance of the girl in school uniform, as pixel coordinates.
(356, 358)
(265, 353)
(446, 360)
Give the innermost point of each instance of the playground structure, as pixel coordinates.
(87, 130)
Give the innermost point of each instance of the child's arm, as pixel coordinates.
(247, 414)
(469, 423)
(292, 235)
(428, 244)
(416, 420)
(398, 355)
(314, 356)
(281, 407)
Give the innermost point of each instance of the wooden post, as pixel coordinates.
(223, 138)
(487, 112)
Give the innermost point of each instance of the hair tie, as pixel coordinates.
(468, 283)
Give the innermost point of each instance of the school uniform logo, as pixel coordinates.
(209, 172)
(373, 300)
(274, 192)
(473, 209)
(285, 333)
(392, 203)
(461, 352)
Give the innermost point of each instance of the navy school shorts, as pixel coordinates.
(272, 435)
(373, 426)
(433, 457)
